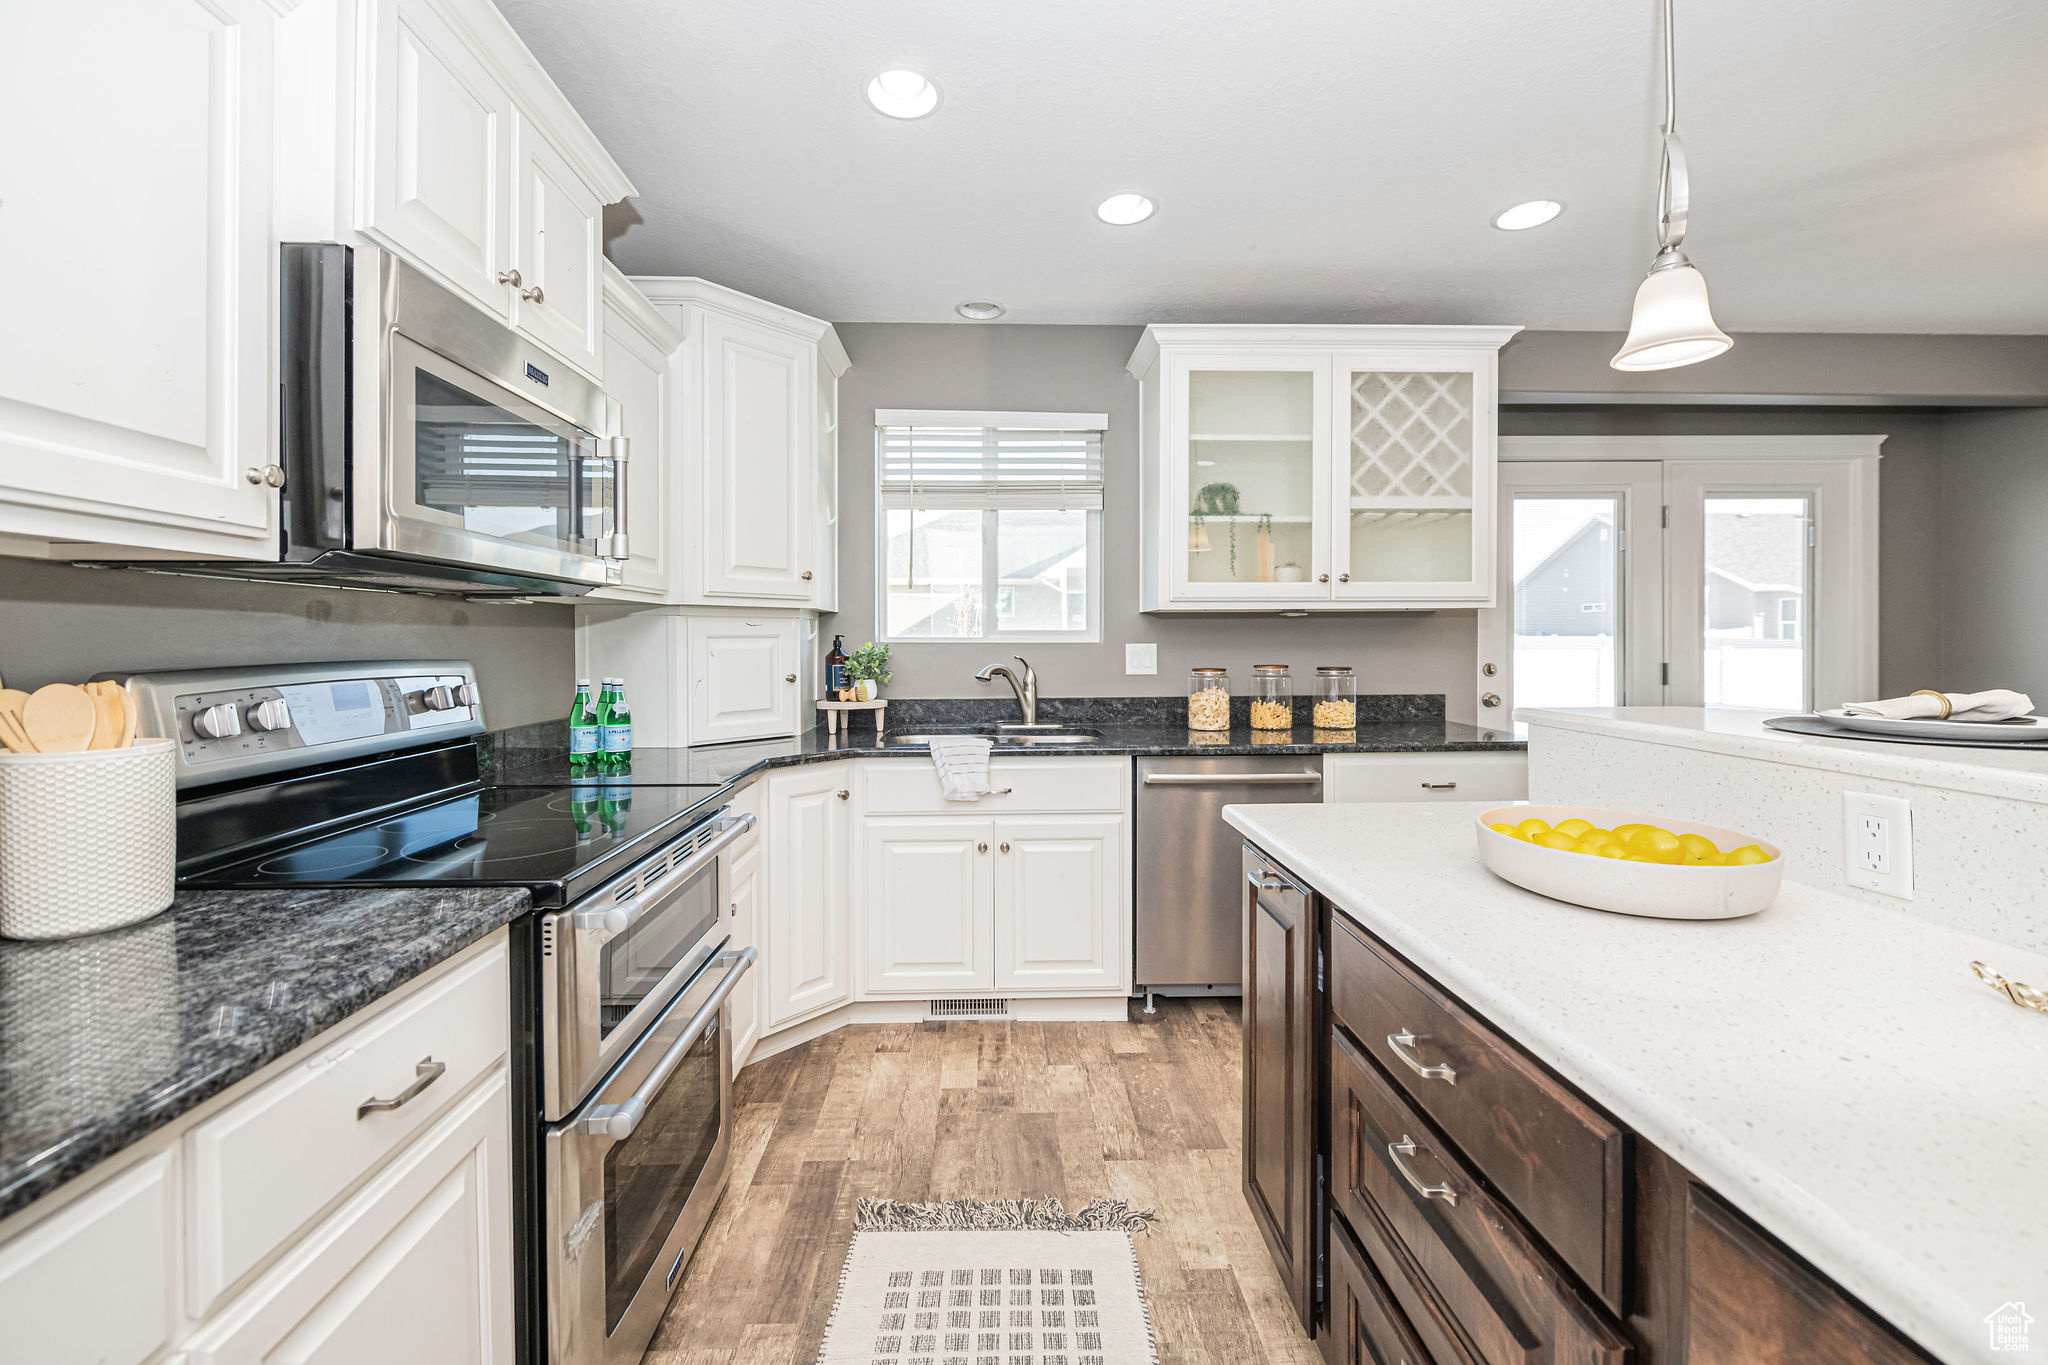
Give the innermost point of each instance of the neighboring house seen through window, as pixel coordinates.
(989, 525)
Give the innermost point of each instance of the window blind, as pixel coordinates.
(968, 464)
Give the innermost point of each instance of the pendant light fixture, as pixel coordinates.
(1672, 324)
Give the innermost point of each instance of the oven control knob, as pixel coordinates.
(465, 694)
(270, 715)
(438, 699)
(220, 721)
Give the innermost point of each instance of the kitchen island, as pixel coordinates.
(1830, 1069)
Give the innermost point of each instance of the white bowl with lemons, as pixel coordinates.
(1631, 864)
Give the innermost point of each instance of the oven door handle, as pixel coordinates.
(617, 1121)
(616, 919)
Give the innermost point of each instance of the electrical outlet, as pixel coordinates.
(1140, 659)
(1877, 843)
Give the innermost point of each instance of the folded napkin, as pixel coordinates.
(962, 762)
(1996, 704)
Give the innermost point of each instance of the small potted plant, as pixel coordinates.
(867, 668)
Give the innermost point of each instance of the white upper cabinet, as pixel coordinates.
(637, 348)
(441, 139)
(1317, 468)
(137, 334)
(742, 679)
(558, 229)
(439, 157)
(757, 522)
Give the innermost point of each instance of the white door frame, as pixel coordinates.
(1840, 474)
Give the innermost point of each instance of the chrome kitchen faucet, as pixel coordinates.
(1026, 690)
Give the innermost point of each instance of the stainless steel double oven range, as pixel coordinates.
(366, 774)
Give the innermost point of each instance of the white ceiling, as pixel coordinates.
(1858, 165)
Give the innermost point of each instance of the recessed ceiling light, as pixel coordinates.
(1122, 210)
(901, 93)
(979, 310)
(1521, 217)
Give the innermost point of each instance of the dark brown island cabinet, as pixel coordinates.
(1434, 1195)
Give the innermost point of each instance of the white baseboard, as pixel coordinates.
(1097, 1008)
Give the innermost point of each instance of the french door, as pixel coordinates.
(1718, 582)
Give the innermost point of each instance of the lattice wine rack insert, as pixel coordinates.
(1411, 441)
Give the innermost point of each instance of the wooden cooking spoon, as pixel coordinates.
(109, 718)
(59, 718)
(12, 733)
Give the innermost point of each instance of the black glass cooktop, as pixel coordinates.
(560, 841)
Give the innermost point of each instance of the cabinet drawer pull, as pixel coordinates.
(1269, 881)
(999, 791)
(427, 1072)
(1439, 786)
(1401, 1042)
(1406, 1147)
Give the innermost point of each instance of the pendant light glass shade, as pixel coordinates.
(1672, 324)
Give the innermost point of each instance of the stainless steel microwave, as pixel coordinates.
(425, 446)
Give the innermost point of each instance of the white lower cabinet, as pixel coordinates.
(929, 889)
(807, 938)
(97, 1282)
(1062, 904)
(743, 678)
(415, 1270)
(1497, 776)
(295, 1224)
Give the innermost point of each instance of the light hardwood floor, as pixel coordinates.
(967, 1110)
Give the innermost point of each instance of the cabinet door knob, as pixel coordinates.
(841, 794)
(807, 575)
(981, 847)
(1343, 578)
(1004, 847)
(510, 277)
(1490, 699)
(1322, 578)
(269, 474)
(789, 677)
(533, 295)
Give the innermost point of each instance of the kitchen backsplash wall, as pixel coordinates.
(64, 624)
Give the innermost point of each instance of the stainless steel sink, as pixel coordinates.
(1003, 739)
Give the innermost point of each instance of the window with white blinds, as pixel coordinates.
(989, 525)
(991, 460)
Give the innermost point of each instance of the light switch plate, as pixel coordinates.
(1141, 659)
(1877, 843)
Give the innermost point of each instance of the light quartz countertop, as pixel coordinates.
(1830, 1067)
(2021, 775)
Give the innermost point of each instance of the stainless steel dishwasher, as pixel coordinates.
(1191, 865)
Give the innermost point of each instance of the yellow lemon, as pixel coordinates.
(1697, 848)
(1532, 827)
(1601, 836)
(1508, 830)
(1636, 858)
(1607, 850)
(1747, 856)
(1551, 838)
(1650, 840)
(1625, 830)
(1575, 827)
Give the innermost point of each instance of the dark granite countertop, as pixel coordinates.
(736, 762)
(105, 1039)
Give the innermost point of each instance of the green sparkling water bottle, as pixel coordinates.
(583, 745)
(615, 727)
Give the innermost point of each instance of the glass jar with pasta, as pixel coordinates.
(1336, 698)
(1272, 697)
(1209, 699)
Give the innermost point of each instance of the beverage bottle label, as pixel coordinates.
(583, 739)
(618, 737)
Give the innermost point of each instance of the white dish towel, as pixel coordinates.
(962, 762)
(1980, 707)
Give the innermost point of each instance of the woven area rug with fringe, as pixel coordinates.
(1008, 1282)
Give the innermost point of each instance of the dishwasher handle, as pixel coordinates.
(1300, 779)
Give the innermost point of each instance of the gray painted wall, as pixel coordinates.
(917, 365)
(64, 624)
(1994, 557)
(1081, 369)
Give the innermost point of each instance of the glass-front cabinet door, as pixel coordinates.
(1414, 472)
(1248, 473)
